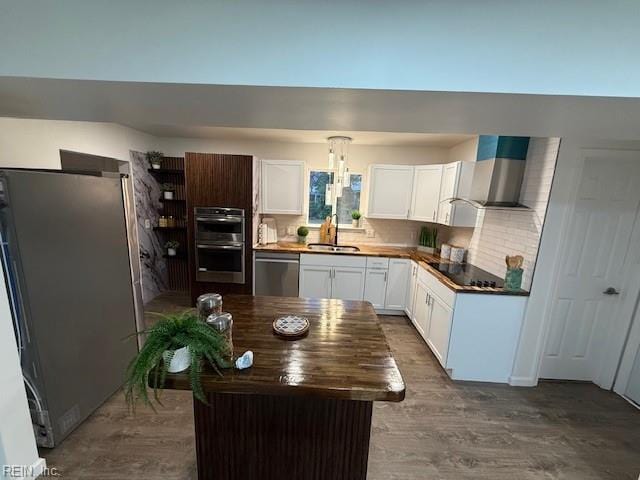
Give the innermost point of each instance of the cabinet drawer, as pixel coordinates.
(445, 294)
(333, 260)
(377, 262)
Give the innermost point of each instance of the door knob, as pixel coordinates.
(611, 291)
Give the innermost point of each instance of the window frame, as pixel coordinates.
(334, 206)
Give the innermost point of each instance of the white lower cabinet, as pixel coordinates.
(375, 287)
(474, 336)
(332, 276)
(440, 318)
(421, 309)
(348, 283)
(411, 290)
(315, 281)
(397, 282)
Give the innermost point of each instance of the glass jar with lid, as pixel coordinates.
(209, 304)
(223, 324)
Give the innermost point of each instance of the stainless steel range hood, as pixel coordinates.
(498, 172)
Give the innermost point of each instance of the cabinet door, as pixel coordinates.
(399, 270)
(348, 283)
(375, 287)
(426, 193)
(389, 191)
(411, 291)
(447, 191)
(439, 330)
(282, 186)
(421, 310)
(315, 281)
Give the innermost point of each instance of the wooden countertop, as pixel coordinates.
(422, 258)
(345, 354)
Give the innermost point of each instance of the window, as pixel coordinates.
(347, 203)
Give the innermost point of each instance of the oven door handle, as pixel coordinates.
(219, 247)
(219, 220)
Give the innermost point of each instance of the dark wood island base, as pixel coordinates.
(277, 437)
(303, 410)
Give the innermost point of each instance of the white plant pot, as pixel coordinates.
(302, 240)
(171, 252)
(355, 223)
(424, 249)
(168, 195)
(180, 361)
(156, 166)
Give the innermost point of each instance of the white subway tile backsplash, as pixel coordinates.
(499, 233)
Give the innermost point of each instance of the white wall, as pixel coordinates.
(27, 143)
(488, 46)
(315, 156)
(17, 443)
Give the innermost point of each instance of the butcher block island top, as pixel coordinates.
(344, 355)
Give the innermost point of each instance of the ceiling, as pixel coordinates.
(188, 109)
(308, 136)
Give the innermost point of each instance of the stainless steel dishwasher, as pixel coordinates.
(276, 274)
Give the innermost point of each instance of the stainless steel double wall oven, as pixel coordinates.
(220, 245)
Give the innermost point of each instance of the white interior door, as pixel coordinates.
(633, 386)
(584, 320)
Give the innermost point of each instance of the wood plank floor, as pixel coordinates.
(443, 430)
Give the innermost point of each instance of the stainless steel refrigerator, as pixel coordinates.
(67, 270)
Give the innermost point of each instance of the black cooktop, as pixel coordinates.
(465, 274)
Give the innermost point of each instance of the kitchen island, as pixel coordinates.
(304, 409)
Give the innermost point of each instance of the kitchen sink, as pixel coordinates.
(325, 247)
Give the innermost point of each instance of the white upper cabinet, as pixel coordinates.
(426, 193)
(282, 183)
(456, 183)
(389, 191)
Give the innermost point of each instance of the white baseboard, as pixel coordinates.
(523, 382)
(382, 311)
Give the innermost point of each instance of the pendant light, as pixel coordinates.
(338, 146)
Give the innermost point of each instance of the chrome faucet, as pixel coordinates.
(335, 240)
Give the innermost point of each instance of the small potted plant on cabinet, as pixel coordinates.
(173, 344)
(172, 248)
(155, 159)
(428, 239)
(168, 191)
(355, 219)
(302, 234)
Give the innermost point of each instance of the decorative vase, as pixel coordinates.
(355, 223)
(180, 361)
(171, 252)
(513, 279)
(302, 240)
(156, 166)
(168, 195)
(424, 249)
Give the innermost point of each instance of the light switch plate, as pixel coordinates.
(291, 230)
(147, 223)
(370, 233)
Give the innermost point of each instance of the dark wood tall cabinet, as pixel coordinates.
(219, 180)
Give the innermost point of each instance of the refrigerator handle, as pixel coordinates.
(14, 297)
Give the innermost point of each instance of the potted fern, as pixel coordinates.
(155, 159)
(428, 239)
(176, 342)
(302, 234)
